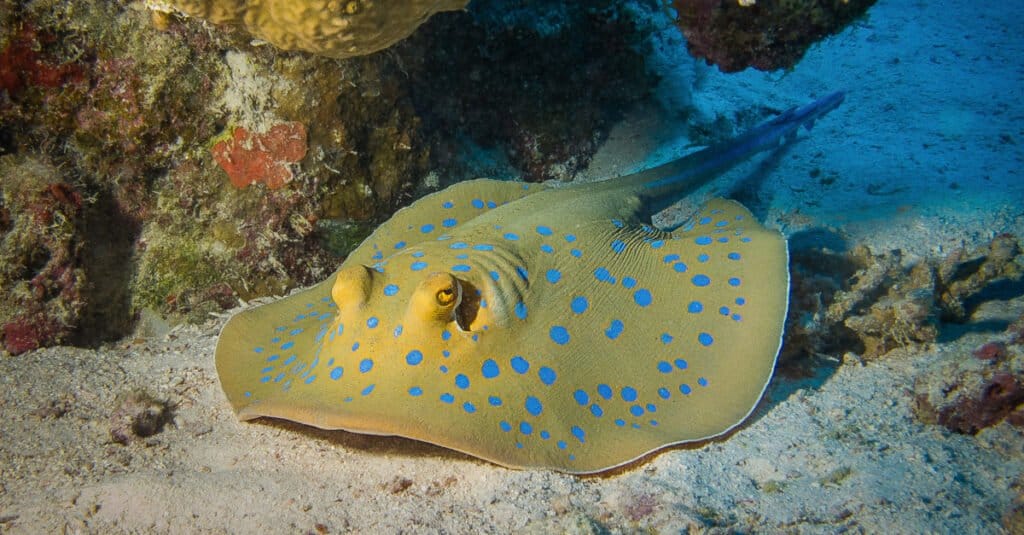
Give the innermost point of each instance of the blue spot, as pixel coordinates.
(679, 267)
(458, 245)
(378, 256)
(651, 407)
(523, 274)
(642, 297)
(604, 391)
(618, 223)
(547, 248)
(543, 230)
(704, 220)
(703, 258)
(398, 331)
(366, 391)
(629, 393)
(391, 289)
(737, 317)
(723, 239)
(670, 258)
(602, 274)
(685, 389)
(596, 410)
(462, 381)
(576, 252)
(525, 428)
(257, 350)
(268, 369)
(581, 397)
(519, 364)
(702, 381)
(336, 373)
(447, 398)
(681, 364)
(450, 222)
(666, 338)
(446, 353)
(559, 335)
(366, 365)
(495, 401)
(483, 247)
(417, 266)
(447, 205)
(533, 406)
(664, 367)
(579, 304)
(355, 347)
(414, 357)
(614, 329)
(636, 410)
(547, 375)
(703, 240)
(734, 256)
(495, 276)
(520, 310)
(468, 407)
(293, 332)
(446, 335)
(705, 339)
(741, 301)
(620, 422)
(545, 435)
(276, 339)
(372, 322)
(561, 444)
(618, 246)
(724, 311)
(695, 307)
(570, 238)
(664, 393)
(461, 268)
(628, 282)
(701, 280)
(734, 281)
(477, 203)
(511, 236)
(288, 360)
(721, 224)
(443, 368)
(554, 276)
(272, 358)
(492, 204)
(427, 228)
(288, 344)
(505, 426)
(489, 369)
(745, 239)
(657, 244)
(578, 433)
(415, 391)
(400, 245)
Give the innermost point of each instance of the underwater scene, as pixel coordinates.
(508, 266)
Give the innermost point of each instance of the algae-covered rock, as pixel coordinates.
(334, 28)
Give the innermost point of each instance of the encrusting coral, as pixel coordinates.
(333, 28)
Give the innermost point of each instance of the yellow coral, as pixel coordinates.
(335, 28)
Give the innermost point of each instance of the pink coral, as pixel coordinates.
(249, 157)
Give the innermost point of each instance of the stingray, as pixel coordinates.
(534, 326)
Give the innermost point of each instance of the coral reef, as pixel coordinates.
(249, 157)
(495, 81)
(870, 304)
(148, 217)
(764, 35)
(966, 395)
(41, 278)
(327, 27)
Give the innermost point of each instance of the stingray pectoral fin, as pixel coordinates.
(260, 349)
(437, 215)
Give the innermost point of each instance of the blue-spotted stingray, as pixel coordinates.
(535, 326)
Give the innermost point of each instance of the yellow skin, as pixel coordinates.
(446, 388)
(533, 326)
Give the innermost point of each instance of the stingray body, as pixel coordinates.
(535, 326)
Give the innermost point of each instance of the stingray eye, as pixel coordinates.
(446, 296)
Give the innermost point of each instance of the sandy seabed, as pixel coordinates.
(926, 157)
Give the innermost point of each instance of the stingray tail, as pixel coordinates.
(662, 186)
